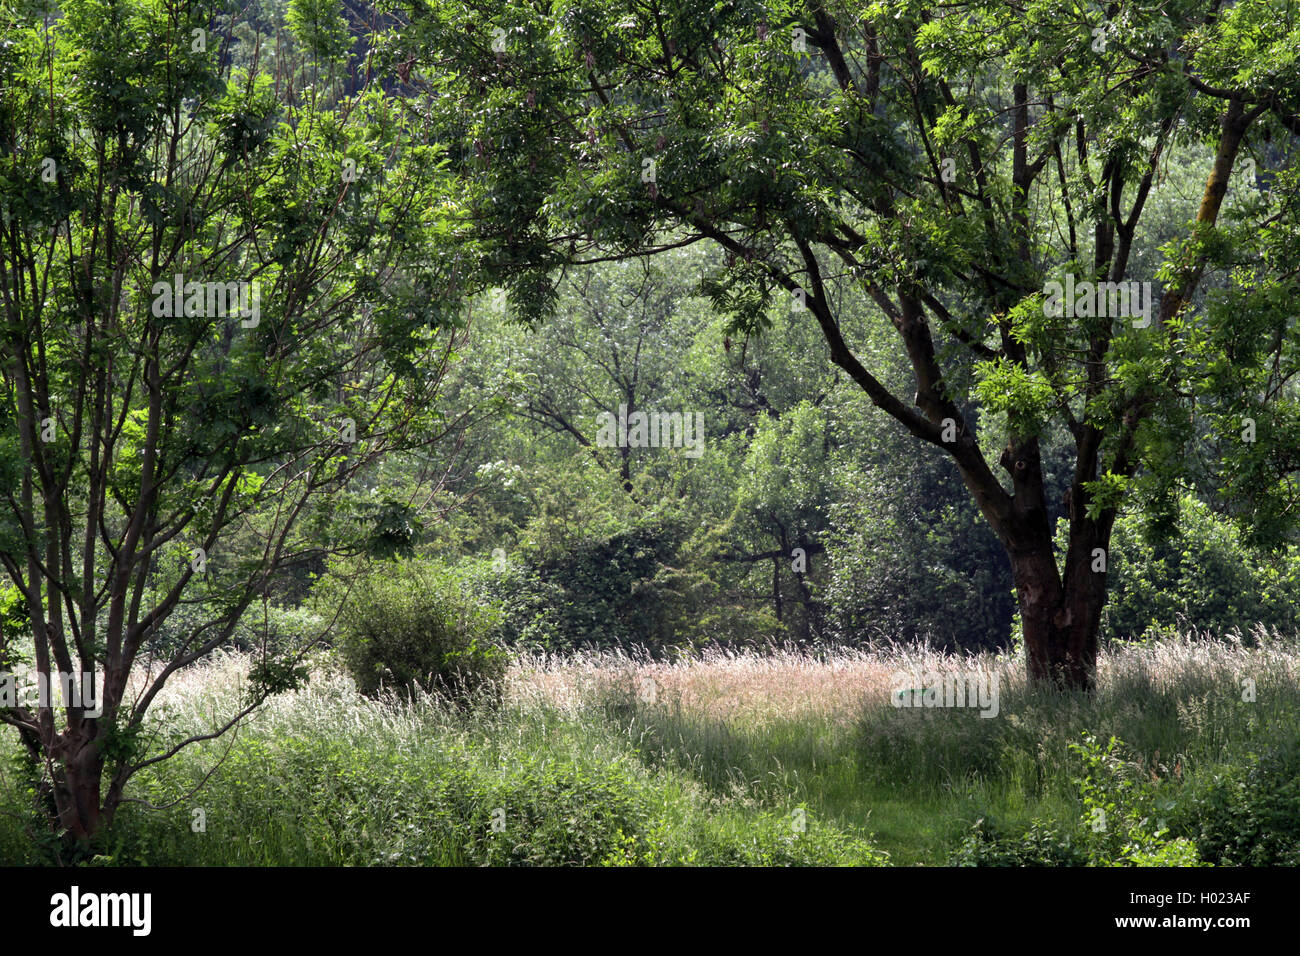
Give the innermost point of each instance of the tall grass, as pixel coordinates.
(779, 757)
(324, 776)
(822, 728)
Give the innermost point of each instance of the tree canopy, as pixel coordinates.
(961, 166)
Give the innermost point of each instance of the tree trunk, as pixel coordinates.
(78, 782)
(1060, 619)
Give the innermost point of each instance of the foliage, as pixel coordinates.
(930, 171)
(13, 626)
(1040, 845)
(829, 231)
(280, 631)
(711, 769)
(407, 627)
(1204, 572)
(214, 330)
(1125, 812)
(323, 777)
(637, 586)
(915, 564)
(1248, 814)
(1117, 826)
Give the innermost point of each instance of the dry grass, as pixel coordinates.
(755, 687)
(785, 684)
(829, 687)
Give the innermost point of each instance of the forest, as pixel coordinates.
(649, 432)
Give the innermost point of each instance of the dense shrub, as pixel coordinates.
(405, 626)
(277, 629)
(1122, 822)
(632, 586)
(1248, 815)
(912, 560)
(1204, 573)
(1041, 845)
(1124, 810)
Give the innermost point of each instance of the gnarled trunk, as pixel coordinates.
(78, 781)
(1060, 616)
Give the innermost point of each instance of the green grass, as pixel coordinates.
(919, 779)
(739, 760)
(325, 777)
(832, 771)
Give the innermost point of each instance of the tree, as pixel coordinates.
(780, 503)
(617, 340)
(910, 557)
(953, 162)
(213, 327)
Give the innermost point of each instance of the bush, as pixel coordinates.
(918, 565)
(1204, 573)
(1040, 845)
(1249, 816)
(278, 630)
(633, 586)
(408, 627)
(1122, 823)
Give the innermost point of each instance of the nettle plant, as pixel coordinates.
(218, 312)
(959, 165)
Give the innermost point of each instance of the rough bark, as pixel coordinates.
(78, 782)
(1060, 618)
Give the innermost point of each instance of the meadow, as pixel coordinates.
(756, 757)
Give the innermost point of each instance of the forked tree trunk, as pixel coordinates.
(1060, 615)
(78, 782)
